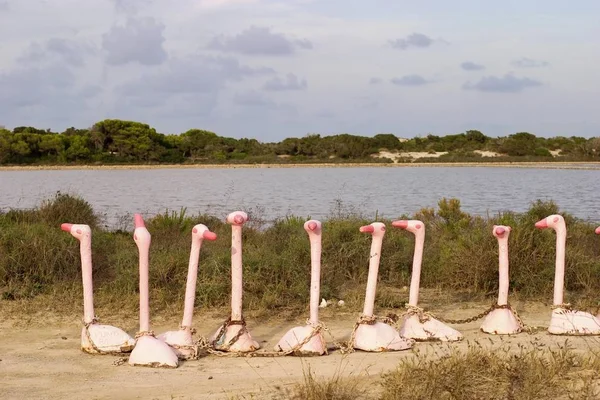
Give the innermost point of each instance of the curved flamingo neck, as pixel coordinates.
(372, 279)
(315, 275)
(415, 280)
(144, 264)
(236, 272)
(85, 250)
(559, 272)
(503, 270)
(190, 287)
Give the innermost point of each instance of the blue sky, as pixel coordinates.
(272, 69)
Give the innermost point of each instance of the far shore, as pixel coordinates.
(584, 165)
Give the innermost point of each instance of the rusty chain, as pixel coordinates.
(344, 347)
(348, 347)
(88, 335)
(424, 316)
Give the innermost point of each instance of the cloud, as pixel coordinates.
(471, 66)
(418, 40)
(291, 82)
(529, 63)
(39, 95)
(4, 6)
(375, 81)
(258, 41)
(410, 80)
(223, 3)
(198, 77)
(130, 6)
(253, 98)
(140, 40)
(69, 51)
(505, 84)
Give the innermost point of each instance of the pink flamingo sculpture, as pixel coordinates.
(148, 350)
(95, 338)
(416, 325)
(370, 334)
(598, 230)
(233, 335)
(565, 321)
(309, 338)
(181, 340)
(502, 321)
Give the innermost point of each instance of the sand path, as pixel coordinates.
(44, 361)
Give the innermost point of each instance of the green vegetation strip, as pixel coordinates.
(111, 142)
(38, 259)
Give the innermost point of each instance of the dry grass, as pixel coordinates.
(478, 373)
(529, 372)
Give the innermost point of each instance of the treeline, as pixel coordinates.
(123, 142)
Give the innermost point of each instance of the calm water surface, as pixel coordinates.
(317, 192)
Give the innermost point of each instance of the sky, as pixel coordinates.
(271, 69)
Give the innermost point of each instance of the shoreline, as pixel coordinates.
(580, 165)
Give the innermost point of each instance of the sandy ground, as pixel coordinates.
(43, 361)
(501, 164)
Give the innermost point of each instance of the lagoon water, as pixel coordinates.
(315, 192)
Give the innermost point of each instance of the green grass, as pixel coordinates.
(37, 258)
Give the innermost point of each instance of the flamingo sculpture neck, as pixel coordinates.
(236, 220)
(557, 222)
(377, 230)
(418, 229)
(313, 228)
(199, 233)
(83, 233)
(142, 240)
(501, 233)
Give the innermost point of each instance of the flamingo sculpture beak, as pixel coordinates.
(367, 229)
(208, 235)
(598, 230)
(139, 221)
(66, 227)
(500, 231)
(402, 224)
(541, 224)
(312, 226)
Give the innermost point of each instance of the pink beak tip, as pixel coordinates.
(66, 227)
(139, 221)
(208, 235)
(541, 224)
(500, 231)
(367, 229)
(312, 225)
(238, 219)
(402, 224)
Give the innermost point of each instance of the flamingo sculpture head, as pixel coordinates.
(237, 218)
(376, 229)
(312, 227)
(141, 236)
(501, 231)
(201, 232)
(598, 230)
(79, 231)
(553, 221)
(413, 225)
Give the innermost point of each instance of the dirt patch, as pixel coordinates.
(44, 361)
